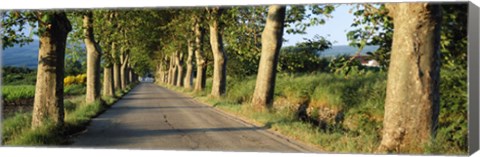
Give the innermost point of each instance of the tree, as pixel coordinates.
(179, 65)
(200, 56)
(53, 28)
(93, 60)
(124, 59)
(48, 103)
(108, 86)
(412, 97)
(374, 27)
(219, 55)
(271, 44)
(244, 26)
(189, 73)
(117, 79)
(304, 56)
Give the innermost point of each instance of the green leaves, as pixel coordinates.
(12, 28)
(373, 27)
(300, 17)
(304, 57)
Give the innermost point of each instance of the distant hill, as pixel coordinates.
(27, 55)
(24, 56)
(345, 49)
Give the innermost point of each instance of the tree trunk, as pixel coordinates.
(188, 75)
(123, 70)
(130, 75)
(174, 71)
(169, 72)
(159, 74)
(271, 44)
(127, 75)
(179, 62)
(219, 56)
(48, 103)
(165, 71)
(108, 89)
(93, 60)
(116, 76)
(116, 69)
(412, 97)
(200, 58)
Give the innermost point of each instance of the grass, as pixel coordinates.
(16, 129)
(75, 89)
(17, 92)
(349, 110)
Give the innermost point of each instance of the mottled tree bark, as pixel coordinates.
(174, 71)
(116, 76)
(93, 60)
(271, 44)
(108, 89)
(219, 56)
(108, 82)
(200, 58)
(412, 97)
(171, 70)
(48, 103)
(123, 70)
(179, 65)
(116, 69)
(188, 75)
(165, 70)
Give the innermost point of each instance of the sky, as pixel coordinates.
(334, 29)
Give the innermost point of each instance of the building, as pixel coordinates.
(365, 61)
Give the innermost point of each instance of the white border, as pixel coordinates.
(78, 4)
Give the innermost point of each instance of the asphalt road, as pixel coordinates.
(153, 117)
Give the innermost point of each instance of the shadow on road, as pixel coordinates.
(160, 107)
(150, 98)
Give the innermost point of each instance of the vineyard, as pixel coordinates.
(18, 98)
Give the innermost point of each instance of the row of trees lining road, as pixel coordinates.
(53, 28)
(413, 71)
(125, 44)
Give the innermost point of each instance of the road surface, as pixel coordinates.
(153, 117)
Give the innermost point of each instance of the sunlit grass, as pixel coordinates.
(358, 100)
(16, 130)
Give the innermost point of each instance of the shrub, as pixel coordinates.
(69, 80)
(79, 79)
(18, 76)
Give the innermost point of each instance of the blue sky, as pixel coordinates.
(334, 29)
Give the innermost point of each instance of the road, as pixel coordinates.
(153, 117)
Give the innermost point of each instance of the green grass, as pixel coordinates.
(75, 89)
(16, 92)
(350, 110)
(15, 125)
(16, 129)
